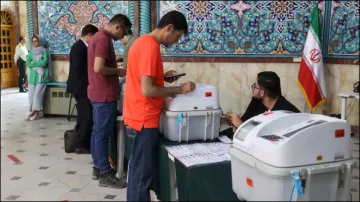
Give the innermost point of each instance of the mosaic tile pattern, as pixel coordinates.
(238, 28)
(63, 21)
(344, 28)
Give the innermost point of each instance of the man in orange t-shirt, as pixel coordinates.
(144, 98)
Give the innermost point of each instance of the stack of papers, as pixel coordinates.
(200, 153)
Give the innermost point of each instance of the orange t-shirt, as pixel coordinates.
(144, 59)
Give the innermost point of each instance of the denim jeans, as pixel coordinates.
(104, 120)
(140, 173)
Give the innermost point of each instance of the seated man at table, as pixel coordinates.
(266, 97)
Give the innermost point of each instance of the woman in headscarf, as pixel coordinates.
(38, 62)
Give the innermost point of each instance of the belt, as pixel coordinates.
(20, 60)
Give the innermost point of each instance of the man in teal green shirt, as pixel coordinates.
(127, 41)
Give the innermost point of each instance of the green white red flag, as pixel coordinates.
(311, 77)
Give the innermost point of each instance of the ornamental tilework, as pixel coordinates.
(242, 28)
(60, 22)
(344, 28)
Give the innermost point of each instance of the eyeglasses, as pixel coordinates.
(253, 86)
(125, 30)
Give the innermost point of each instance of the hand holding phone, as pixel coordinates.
(172, 75)
(175, 75)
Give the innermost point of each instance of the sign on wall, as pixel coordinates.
(60, 22)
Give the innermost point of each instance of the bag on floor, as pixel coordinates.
(69, 141)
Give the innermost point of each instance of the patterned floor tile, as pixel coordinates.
(75, 190)
(109, 196)
(43, 184)
(15, 178)
(12, 197)
(43, 168)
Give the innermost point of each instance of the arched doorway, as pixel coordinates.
(7, 49)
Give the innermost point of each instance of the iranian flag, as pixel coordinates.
(311, 77)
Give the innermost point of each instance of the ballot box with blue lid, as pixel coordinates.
(282, 155)
(192, 116)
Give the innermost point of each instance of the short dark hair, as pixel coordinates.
(89, 29)
(21, 38)
(122, 20)
(175, 18)
(270, 82)
(129, 31)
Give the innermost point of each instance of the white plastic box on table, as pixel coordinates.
(268, 148)
(192, 116)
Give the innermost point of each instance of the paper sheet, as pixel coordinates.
(225, 139)
(200, 153)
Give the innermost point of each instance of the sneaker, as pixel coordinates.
(96, 173)
(27, 118)
(109, 180)
(36, 116)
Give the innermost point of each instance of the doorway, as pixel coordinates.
(7, 50)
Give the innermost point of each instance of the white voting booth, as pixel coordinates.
(192, 116)
(282, 155)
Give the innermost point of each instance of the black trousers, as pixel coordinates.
(22, 73)
(84, 121)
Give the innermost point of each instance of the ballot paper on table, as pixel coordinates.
(225, 139)
(200, 153)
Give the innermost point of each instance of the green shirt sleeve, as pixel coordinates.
(29, 59)
(37, 63)
(126, 49)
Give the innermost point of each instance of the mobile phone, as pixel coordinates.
(175, 75)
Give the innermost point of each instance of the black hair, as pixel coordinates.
(89, 29)
(130, 32)
(270, 82)
(21, 38)
(175, 18)
(122, 20)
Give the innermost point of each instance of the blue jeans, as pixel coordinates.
(104, 120)
(140, 173)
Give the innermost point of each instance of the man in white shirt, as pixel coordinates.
(20, 59)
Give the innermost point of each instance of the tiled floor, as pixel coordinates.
(45, 172)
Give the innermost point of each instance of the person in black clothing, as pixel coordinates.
(77, 84)
(266, 97)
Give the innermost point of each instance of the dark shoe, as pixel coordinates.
(96, 173)
(109, 180)
(82, 151)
